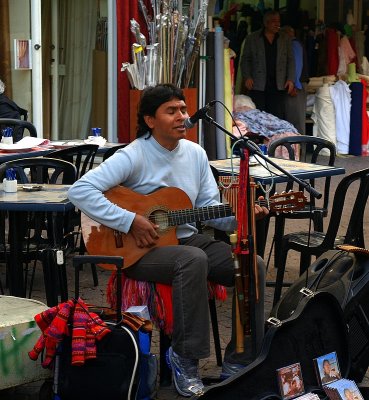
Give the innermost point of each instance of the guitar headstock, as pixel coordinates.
(287, 202)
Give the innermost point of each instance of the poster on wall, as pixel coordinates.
(22, 54)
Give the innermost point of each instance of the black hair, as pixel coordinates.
(151, 99)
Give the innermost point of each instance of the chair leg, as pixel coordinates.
(278, 235)
(82, 250)
(305, 261)
(165, 372)
(280, 273)
(94, 275)
(214, 325)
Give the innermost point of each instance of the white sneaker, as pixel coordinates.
(185, 372)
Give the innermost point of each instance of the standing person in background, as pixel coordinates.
(268, 66)
(296, 100)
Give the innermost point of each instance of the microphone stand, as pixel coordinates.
(254, 149)
(246, 244)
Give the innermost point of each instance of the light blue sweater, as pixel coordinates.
(145, 166)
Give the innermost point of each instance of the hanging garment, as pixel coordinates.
(341, 97)
(323, 115)
(365, 127)
(356, 118)
(332, 51)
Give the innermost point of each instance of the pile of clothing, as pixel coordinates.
(69, 318)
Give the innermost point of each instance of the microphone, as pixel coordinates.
(199, 114)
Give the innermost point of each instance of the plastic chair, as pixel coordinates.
(311, 150)
(82, 156)
(19, 126)
(355, 185)
(112, 150)
(38, 170)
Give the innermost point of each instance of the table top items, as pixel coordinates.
(267, 174)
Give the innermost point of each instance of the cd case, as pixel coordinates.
(290, 381)
(343, 389)
(327, 368)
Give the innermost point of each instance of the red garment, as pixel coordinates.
(87, 328)
(156, 296)
(126, 10)
(365, 127)
(332, 51)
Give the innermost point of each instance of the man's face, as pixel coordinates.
(168, 123)
(326, 368)
(349, 395)
(273, 23)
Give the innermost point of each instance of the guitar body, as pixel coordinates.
(100, 239)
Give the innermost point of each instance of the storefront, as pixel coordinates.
(72, 80)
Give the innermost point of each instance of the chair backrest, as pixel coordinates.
(312, 150)
(41, 170)
(112, 150)
(19, 127)
(82, 156)
(353, 186)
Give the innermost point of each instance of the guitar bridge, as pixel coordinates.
(118, 239)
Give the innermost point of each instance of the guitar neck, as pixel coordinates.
(180, 217)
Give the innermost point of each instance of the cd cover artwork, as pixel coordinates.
(327, 368)
(290, 381)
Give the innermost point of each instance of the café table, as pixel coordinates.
(53, 199)
(270, 175)
(264, 176)
(39, 151)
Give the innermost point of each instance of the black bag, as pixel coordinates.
(112, 375)
(344, 274)
(123, 368)
(315, 328)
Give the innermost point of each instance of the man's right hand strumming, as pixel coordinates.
(144, 232)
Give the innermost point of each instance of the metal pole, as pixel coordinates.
(37, 114)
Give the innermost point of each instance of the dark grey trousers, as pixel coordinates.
(188, 267)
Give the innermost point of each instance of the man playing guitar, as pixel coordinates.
(161, 157)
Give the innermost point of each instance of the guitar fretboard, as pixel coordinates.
(180, 217)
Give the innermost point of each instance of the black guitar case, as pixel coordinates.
(344, 274)
(317, 327)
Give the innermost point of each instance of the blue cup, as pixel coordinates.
(263, 148)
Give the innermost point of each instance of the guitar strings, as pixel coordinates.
(165, 216)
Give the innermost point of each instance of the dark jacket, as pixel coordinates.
(253, 60)
(9, 109)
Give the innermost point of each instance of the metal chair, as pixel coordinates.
(354, 186)
(312, 150)
(19, 127)
(38, 170)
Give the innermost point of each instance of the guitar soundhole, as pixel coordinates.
(160, 217)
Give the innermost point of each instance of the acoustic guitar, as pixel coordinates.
(167, 207)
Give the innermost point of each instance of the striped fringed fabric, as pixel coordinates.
(157, 297)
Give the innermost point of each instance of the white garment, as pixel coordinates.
(324, 116)
(341, 97)
(365, 66)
